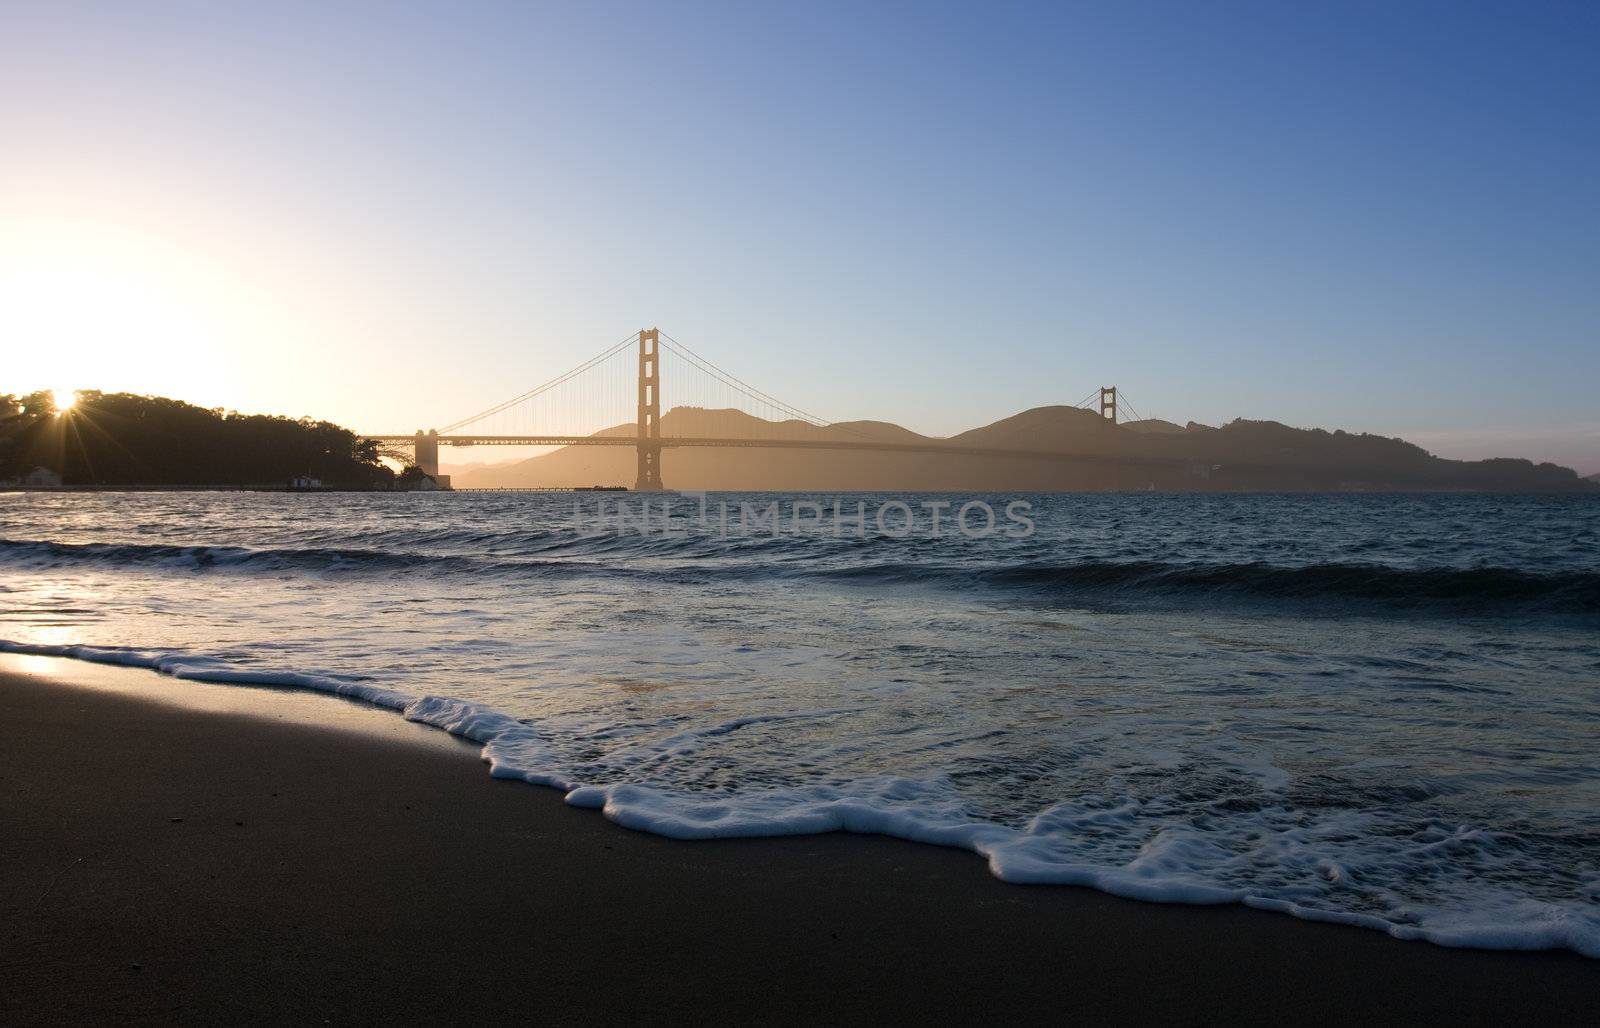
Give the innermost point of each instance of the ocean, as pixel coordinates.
(1381, 710)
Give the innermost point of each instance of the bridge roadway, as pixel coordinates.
(953, 449)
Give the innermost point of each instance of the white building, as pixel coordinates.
(38, 478)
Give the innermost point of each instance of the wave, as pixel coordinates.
(1479, 586)
(44, 554)
(698, 559)
(1177, 864)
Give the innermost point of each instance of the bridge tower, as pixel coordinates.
(427, 453)
(649, 444)
(1108, 403)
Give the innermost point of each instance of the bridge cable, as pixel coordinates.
(741, 386)
(737, 385)
(530, 394)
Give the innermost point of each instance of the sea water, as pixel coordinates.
(1373, 709)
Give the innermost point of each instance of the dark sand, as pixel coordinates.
(376, 873)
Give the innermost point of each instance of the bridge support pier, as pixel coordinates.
(649, 441)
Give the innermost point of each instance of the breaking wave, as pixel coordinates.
(1484, 588)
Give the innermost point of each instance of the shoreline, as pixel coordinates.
(340, 862)
(1592, 488)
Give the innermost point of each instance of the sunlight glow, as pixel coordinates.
(125, 308)
(63, 399)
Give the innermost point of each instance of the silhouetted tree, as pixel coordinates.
(122, 439)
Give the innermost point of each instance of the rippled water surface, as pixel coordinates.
(1376, 709)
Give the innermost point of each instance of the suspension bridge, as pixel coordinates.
(609, 400)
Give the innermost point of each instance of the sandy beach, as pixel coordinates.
(180, 860)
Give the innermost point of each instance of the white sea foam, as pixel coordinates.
(207, 669)
(1275, 859)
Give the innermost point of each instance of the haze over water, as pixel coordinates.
(1374, 709)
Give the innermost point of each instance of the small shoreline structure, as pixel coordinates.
(37, 479)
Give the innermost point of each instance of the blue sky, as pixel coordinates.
(1380, 217)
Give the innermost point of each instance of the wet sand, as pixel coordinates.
(181, 861)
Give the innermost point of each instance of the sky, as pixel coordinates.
(1380, 217)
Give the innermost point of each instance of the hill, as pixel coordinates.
(1078, 450)
(121, 439)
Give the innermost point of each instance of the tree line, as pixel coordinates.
(124, 439)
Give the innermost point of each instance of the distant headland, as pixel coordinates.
(1078, 450)
(116, 440)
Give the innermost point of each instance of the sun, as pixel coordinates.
(63, 399)
(134, 311)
